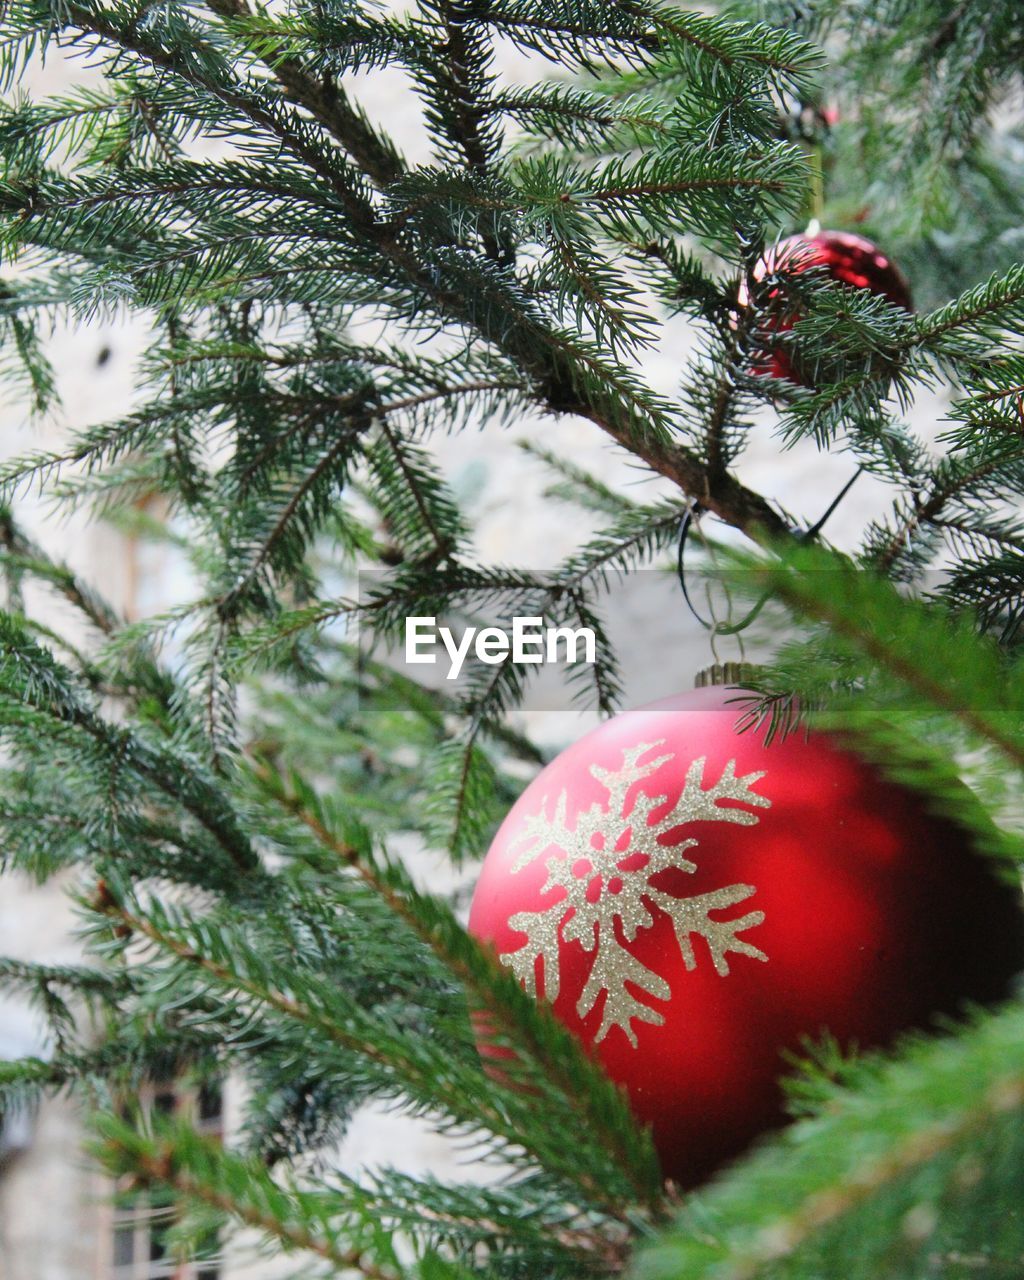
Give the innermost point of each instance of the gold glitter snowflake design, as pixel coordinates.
(605, 865)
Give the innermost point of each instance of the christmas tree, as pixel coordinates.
(226, 787)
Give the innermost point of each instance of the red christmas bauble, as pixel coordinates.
(849, 259)
(694, 903)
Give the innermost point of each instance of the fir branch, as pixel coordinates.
(324, 468)
(569, 380)
(511, 1013)
(865, 612)
(228, 90)
(783, 53)
(893, 1129)
(139, 675)
(320, 1007)
(201, 1171)
(325, 99)
(33, 678)
(994, 302)
(955, 478)
(578, 486)
(438, 515)
(520, 1227)
(78, 593)
(80, 979)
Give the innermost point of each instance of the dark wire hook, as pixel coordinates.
(720, 629)
(816, 528)
(693, 511)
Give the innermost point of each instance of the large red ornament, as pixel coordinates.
(694, 903)
(849, 259)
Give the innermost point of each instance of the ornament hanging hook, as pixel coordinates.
(716, 628)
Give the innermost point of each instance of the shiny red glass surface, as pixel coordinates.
(878, 917)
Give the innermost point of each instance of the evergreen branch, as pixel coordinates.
(995, 300)
(75, 591)
(325, 99)
(23, 1080)
(560, 385)
(143, 676)
(603, 673)
(200, 1171)
(723, 495)
(122, 1062)
(665, 187)
(359, 209)
(569, 115)
(107, 442)
(136, 924)
(733, 44)
(81, 979)
(512, 1014)
(640, 190)
(637, 532)
(578, 486)
(990, 586)
(461, 779)
(454, 389)
(960, 335)
(528, 1225)
(838, 1168)
(440, 521)
(952, 479)
(650, 34)
(980, 530)
(576, 274)
(580, 40)
(402, 1062)
(300, 493)
(634, 535)
(32, 677)
(465, 86)
(441, 705)
(865, 612)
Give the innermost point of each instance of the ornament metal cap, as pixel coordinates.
(725, 673)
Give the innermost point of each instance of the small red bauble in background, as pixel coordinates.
(849, 259)
(693, 903)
